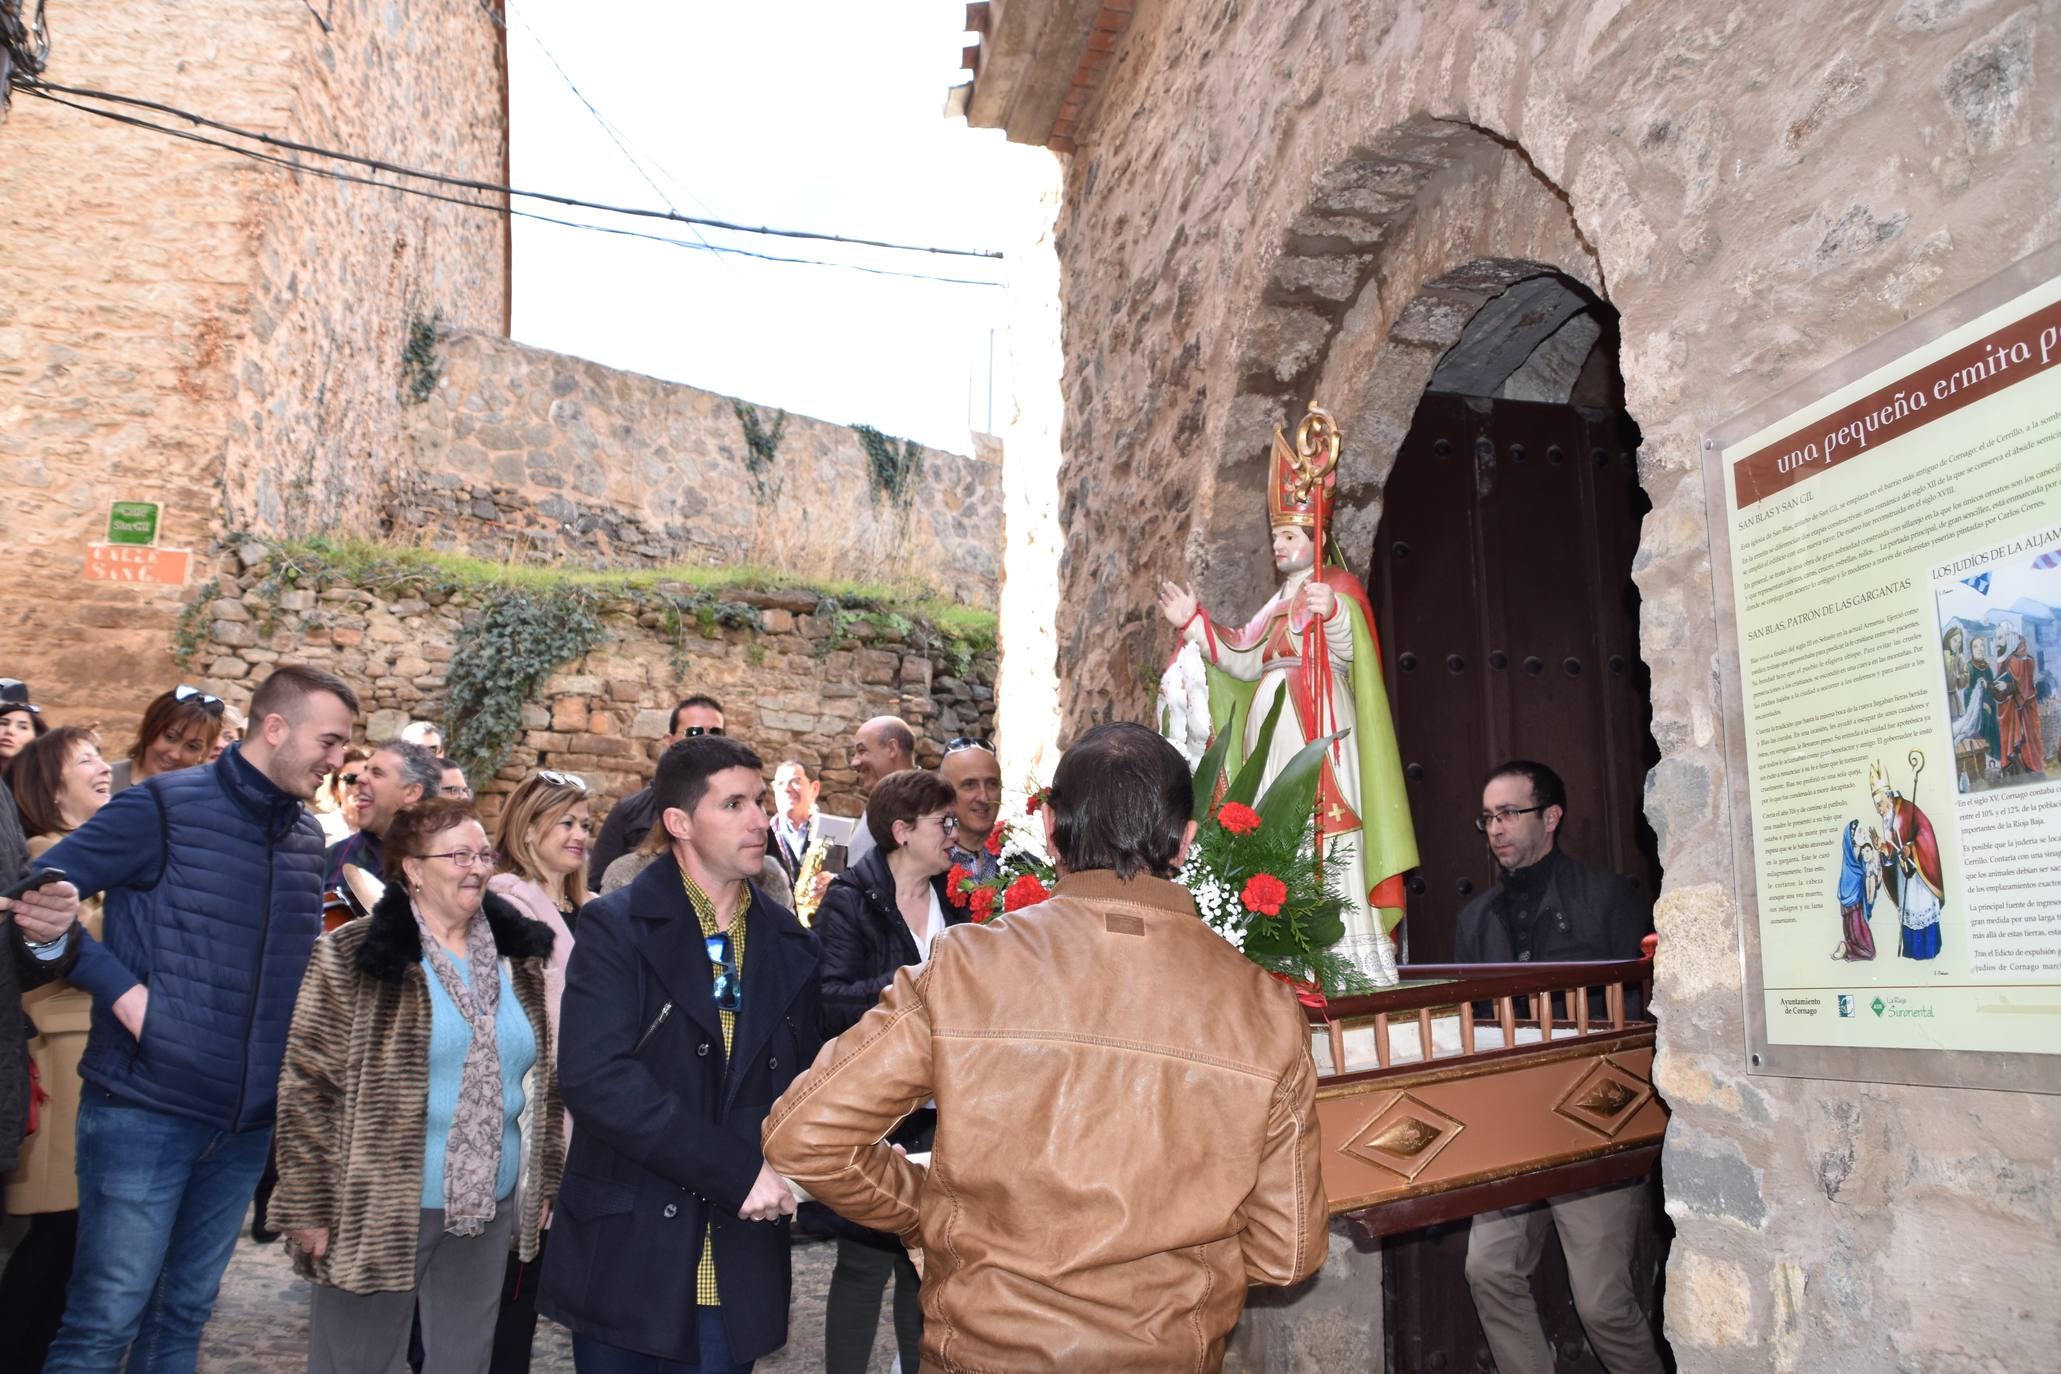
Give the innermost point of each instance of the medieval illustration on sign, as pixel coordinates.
(1899, 859)
(2000, 632)
(1860, 883)
(1313, 646)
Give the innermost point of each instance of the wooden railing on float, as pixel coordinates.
(1494, 1121)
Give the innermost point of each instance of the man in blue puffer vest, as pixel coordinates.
(213, 883)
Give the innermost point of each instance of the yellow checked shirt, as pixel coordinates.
(705, 1293)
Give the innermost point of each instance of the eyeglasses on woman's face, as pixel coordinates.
(463, 859)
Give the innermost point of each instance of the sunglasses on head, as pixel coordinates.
(693, 731)
(208, 703)
(556, 778)
(953, 746)
(728, 992)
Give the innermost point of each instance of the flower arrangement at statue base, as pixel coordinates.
(1254, 872)
(1260, 890)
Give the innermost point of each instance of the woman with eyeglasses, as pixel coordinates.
(179, 728)
(335, 804)
(420, 1128)
(60, 781)
(20, 721)
(876, 916)
(540, 862)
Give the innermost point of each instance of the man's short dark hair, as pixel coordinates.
(1121, 798)
(701, 699)
(684, 769)
(1546, 787)
(293, 683)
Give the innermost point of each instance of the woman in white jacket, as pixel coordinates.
(540, 863)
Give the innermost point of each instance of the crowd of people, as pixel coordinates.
(471, 1070)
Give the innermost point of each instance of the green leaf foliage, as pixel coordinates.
(521, 639)
(1246, 785)
(1292, 796)
(1207, 772)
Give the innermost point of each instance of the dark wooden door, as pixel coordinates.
(1510, 629)
(1509, 626)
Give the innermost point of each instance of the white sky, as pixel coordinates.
(812, 114)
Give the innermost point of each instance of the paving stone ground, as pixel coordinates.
(260, 1324)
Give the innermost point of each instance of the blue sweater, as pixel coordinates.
(213, 885)
(515, 1041)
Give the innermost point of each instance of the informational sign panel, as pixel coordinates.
(1887, 545)
(132, 522)
(122, 563)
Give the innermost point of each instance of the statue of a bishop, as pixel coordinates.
(1314, 640)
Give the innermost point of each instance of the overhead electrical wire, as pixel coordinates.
(43, 91)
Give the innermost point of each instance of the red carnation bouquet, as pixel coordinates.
(1023, 877)
(1254, 874)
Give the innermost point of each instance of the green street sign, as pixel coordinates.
(132, 522)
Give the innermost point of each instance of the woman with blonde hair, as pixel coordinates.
(540, 869)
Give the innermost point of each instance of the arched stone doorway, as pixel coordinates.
(1436, 290)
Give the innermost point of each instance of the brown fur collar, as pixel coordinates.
(392, 945)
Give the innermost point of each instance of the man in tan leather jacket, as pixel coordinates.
(1127, 1133)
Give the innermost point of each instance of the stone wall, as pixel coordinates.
(184, 326)
(794, 686)
(521, 452)
(1273, 202)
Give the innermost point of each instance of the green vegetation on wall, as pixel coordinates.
(893, 466)
(524, 623)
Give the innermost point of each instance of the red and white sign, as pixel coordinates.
(137, 564)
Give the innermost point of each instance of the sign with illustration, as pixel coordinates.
(1887, 545)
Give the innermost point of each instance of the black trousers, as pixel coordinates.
(32, 1291)
(515, 1329)
(851, 1315)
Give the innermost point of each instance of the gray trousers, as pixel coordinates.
(1596, 1229)
(458, 1287)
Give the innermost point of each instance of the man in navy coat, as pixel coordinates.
(690, 1004)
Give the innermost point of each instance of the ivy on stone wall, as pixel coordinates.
(520, 639)
(761, 446)
(893, 467)
(422, 366)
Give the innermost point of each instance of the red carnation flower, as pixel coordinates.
(983, 903)
(994, 844)
(959, 875)
(1238, 818)
(1025, 891)
(1033, 802)
(1264, 893)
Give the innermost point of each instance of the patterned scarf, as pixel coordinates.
(472, 1154)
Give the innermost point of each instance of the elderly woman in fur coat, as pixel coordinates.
(420, 1129)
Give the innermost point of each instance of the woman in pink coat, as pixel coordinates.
(540, 862)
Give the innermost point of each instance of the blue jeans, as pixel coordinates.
(594, 1356)
(161, 1201)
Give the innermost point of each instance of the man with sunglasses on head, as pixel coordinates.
(970, 770)
(1549, 908)
(397, 776)
(632, 818)
(213, 883)
(690, 1003)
